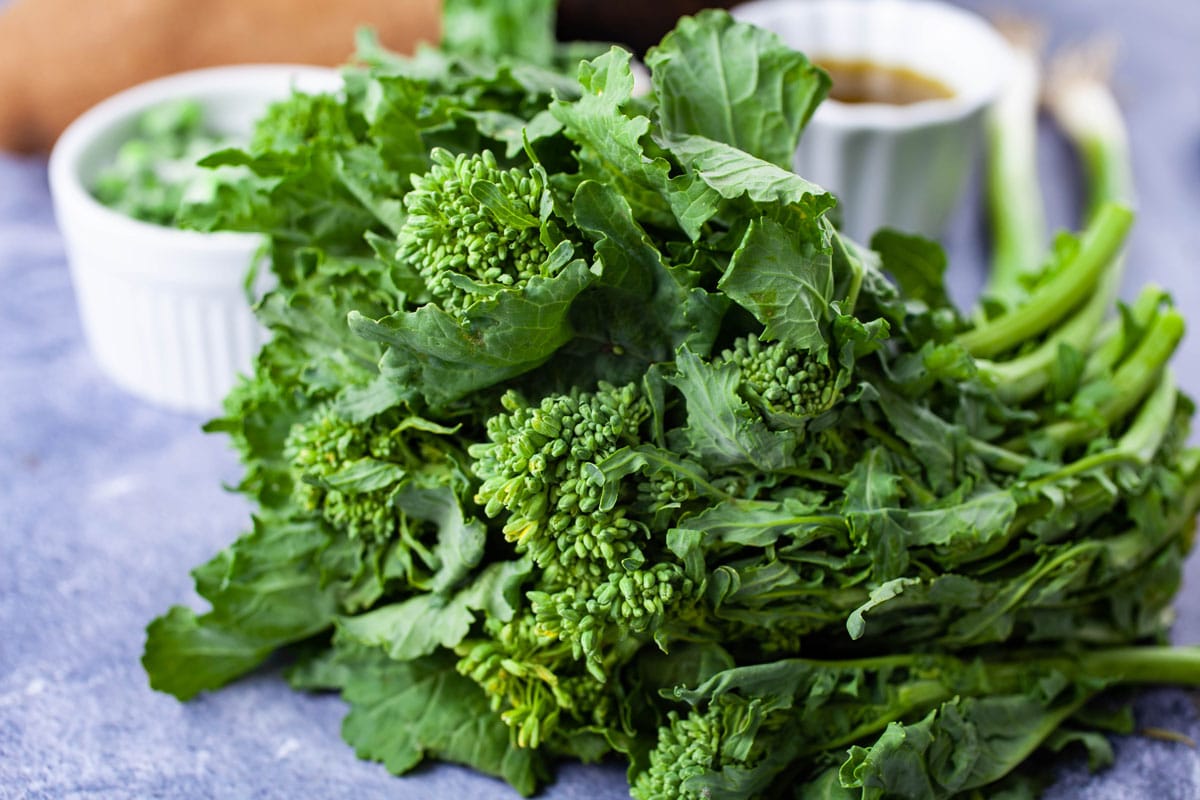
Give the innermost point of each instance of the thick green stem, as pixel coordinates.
(1096, 461)
(1055, 298)
(1023, 377)
(1138, 373)
(998, 457)
(850, 251)
(1107, 165)
(1114, 338)
(1088, 113)
(1015, 205)
(1144, 665)
(1083, 105)
(1148, 429)
(1133, 380)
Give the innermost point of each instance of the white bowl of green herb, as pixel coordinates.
(166, 310)
(155, 175)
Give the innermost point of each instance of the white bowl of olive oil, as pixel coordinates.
(897, 138)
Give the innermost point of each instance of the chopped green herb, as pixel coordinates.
(155, 173)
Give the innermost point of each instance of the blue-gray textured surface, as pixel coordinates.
(106, 502)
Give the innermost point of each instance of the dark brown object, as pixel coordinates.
(638, 25)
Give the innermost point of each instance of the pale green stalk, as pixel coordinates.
(1061, 294)
(1079, 98)
(1015, 207)
(1113, 339)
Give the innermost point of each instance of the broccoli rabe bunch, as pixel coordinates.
(474, 226)
(597, 436)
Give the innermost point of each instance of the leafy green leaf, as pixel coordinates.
(364, 475)
(761, 524)
(404, 712)
(735, 83)
(265, 592)
(417, 626)
(856, 625)
(873, 484)
(917, 264)
(461, 539)
(611, 149)
(363, 171)
(502, 337)
(784, 276)
(731, 174)
(722, 430)
(517, 29)
(410, 629)
(671, 308)
(964, 744)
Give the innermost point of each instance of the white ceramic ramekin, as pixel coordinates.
(899, 166)
(165, 311)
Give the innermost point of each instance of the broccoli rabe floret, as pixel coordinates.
(729, 739)
(589, 545)
(661, 496)
(321, 448)
(687, 747)
(531, 678)
(600, 583)
(518, 666)
(782, 380)
(532, 465)
(473, 226)
(632, 599)
(595, 575)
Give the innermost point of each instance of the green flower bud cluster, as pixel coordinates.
(587, 546)
(594, 574)
(322, 446)
(519, 668)
(452, 233)
(664, 489)
(592, 701)
(532, 467)
(729, 733)
(687, 747)
(637, 598)
(785, 381)
(660, 495)
(629, 600)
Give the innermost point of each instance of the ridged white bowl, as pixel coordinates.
(899, 166)
(166, 312)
